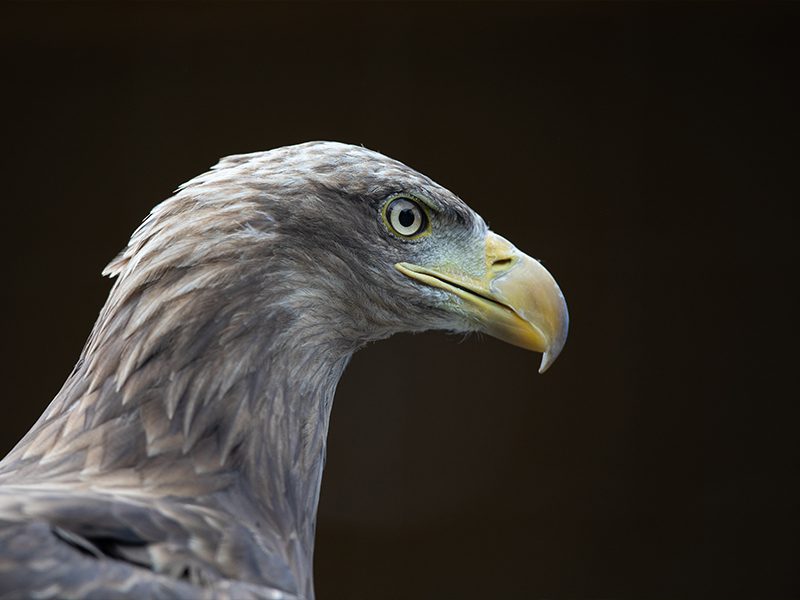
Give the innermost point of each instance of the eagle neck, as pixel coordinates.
(282, 453)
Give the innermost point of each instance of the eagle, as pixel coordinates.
(182, 457)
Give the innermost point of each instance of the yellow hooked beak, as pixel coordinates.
(515, 300)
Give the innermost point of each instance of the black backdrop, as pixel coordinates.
(647, 153)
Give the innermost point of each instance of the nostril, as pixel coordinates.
(499, 262)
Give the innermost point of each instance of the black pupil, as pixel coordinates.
(406, 217)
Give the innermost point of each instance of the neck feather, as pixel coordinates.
(183, 395)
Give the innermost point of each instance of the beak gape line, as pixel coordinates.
(517, 300)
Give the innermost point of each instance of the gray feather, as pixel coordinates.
(182, 458)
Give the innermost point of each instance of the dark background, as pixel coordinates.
(648, 153)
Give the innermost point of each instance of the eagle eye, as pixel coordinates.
(406, 217)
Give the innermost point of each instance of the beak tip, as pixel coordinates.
(550, 355)
(545, 364)
(547, 360)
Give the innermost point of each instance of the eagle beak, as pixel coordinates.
(515, 299)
